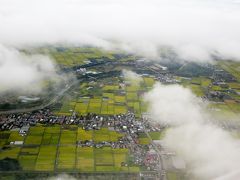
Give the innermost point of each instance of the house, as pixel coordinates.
(24, 129)
(18, 143)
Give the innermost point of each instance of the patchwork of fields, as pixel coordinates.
(55, 149)
(113, 99)
(200, 86)
(110, 98)
(75, 56)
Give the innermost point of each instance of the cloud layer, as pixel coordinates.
(193, 29)
(21, 72)
(210, 152)
(132, 77)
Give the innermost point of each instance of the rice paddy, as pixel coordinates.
(53, 149)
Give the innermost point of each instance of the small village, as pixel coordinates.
(132, 129)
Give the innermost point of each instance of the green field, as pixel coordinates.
(46, 158)
(110, 100)
(108, 97)
(76, 56)
(172, 176)
(157, 135)
(231, 67)
(49, 149)
(68, 137)
(105, 135)
(221, 110)
(85, 159)
(224, 110)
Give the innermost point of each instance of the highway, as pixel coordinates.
(53, 100)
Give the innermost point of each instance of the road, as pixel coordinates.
(161, 171)
(53, 100)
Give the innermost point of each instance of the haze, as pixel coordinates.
(195, 30)
(210, 152)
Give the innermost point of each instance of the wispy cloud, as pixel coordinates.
(193, 29)
(20, 72)
(132, 77)
(209, 151)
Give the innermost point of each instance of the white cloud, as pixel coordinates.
(21, 72)
(132, 77)
(169, 102)
(62, 177)
(210, 152)
(195, 29)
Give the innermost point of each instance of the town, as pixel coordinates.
(132, 132)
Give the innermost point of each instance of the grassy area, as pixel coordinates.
(68, 137)
(46, 158)
(234, 86)
(110, 87)
(66, 157)
(67, 108)
(197, 89)
(115, 98)
(144, 141)
(104, 157)
(120, 99)
(108, 104)
(157, 135)
(14, 136)
(149, 81)
(172, 176)
(33, 139)
(4, 138)
(231, 67)
(112, 98)
(30, 150)
(119, 109)
(37, 130)
(58, 150)
(10, 152)
(27, 161)
(84, 135)
(85, 159)
(105, 135)
(76, 56)
(50, 138)
(132, 96)
(120, 156)
(224, 110)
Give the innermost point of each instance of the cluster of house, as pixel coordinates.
(124, 123)
(167, 79)
(151, 160)
(127, 124)
(220, 75)
(221, 78)
(119, 123)
(13, 121)
(90, 143)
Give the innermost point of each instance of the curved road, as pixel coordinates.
(43, 105)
